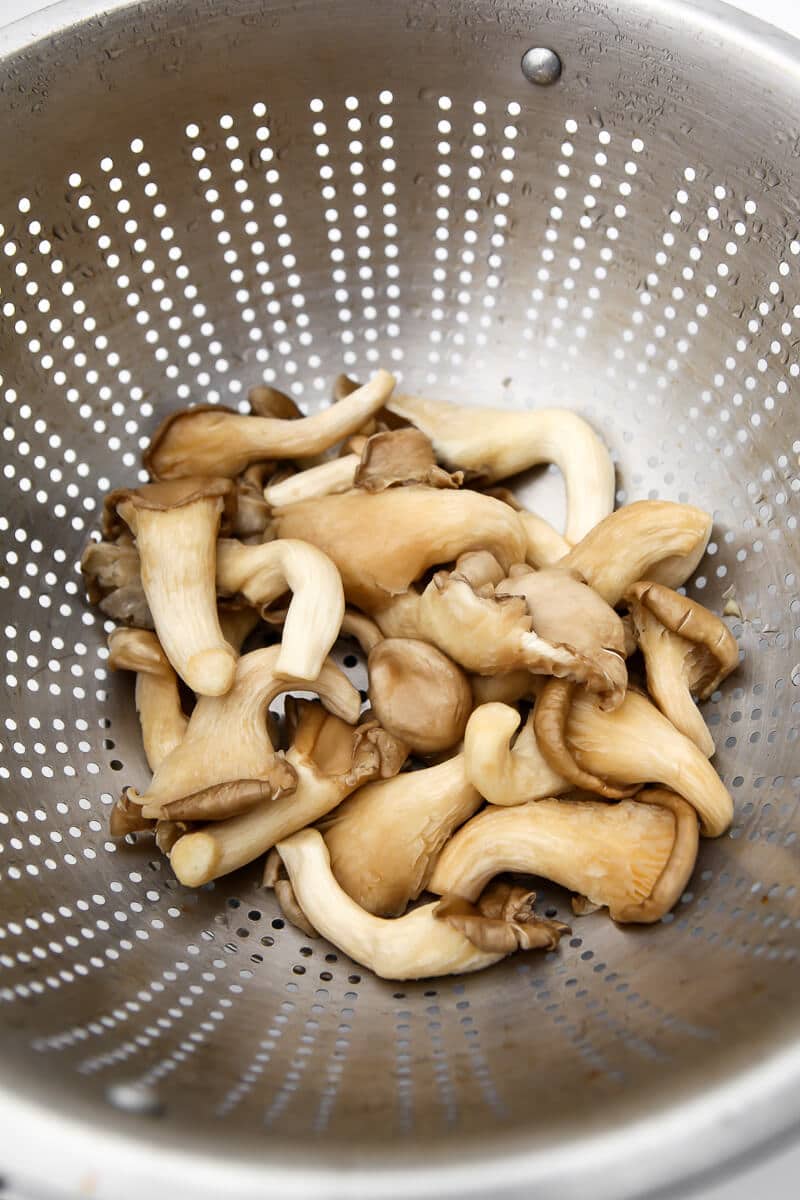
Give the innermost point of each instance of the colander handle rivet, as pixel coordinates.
(541, 65)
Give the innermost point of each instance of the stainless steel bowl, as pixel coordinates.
(197, 196)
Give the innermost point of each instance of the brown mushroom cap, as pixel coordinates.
(502, 920)
(163, 496)
(418, 694)
(266, 401)
(126, 817)
(401, 457)
(567, 612)
(714, 652)
(113, 581)
(550, 718)
(222, 800)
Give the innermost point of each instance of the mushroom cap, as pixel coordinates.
(672, 881)
(566, 612)
(381, 542)
(113, 581)
(266, 401)
(550, 717)
(126, 817)
(165, 495)
(236, 796)
(400, 457)
(418, 694)
(714, 652)
(137, 650)
(502, 920)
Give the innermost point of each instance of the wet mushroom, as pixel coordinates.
(566, 612)
(415, 946)
(490, 633)
(635, 857)
(634, 744)
(266, 401)
(126, 817)
(326, 479)
(688, 651)
(400, 457)
(175, 525)
(263, 573)
(275, 877)
(502, 919)
(330, 759)
(649, 539)
(381, 542)
(502, 774)
(251, 520)
(384, 840)
(496, 443)
(158, 700)
(113, 581)
(210, 440)
(418, 694)
(227, 737)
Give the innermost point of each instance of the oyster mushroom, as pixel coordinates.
(158, 699)
(503, 919)
(503, 775)
(506, 688)
(275, 877)
(495, 443)
(688, 651)
(113, 581)
(545, 545)
(209, 440)
(415, 946)
(263, 573)
(266, 401)
(384, 840)
(126, 817)
(330, 759)
(175, 525)
(251, 519)
(381, 542)
(400, 457)
(566, 612)
(635, 857)
(490, 633)
(365, 631)
(227, 737)
(418, 694)
(634, 744)
(649, 539)
(326, 479)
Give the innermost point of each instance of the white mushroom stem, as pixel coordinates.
(497, 443)
(384, 840)
(636, 857)
(177, 548)
(507, 776)
(365, 631)
(544, 545)
(416, 946)
(263, 573)
(227, 737)
(215, 442)
(649, 539)
(330, 760)
(158, 700)
(337, 475)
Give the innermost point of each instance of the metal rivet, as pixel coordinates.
(134, 1098)
(541, 65)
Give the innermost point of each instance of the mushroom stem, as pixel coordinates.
(635, 857)
(634, 744)
(158, 700)
(495, 444)
(687, 651)
(212, 441)
(544, 545)
(337, 475)
(227, 738)
(263, 573)
(330, 759)
(649, 539)
(384, 840)
(382, 541)
(503, 775)
(176, 533)
(365, 631)
(416, 946)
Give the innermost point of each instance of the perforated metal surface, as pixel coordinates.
(196, 198)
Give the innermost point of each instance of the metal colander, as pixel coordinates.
(199, 196)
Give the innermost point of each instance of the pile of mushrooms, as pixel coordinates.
(531, 708)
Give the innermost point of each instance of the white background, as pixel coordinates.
(778, 1179)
